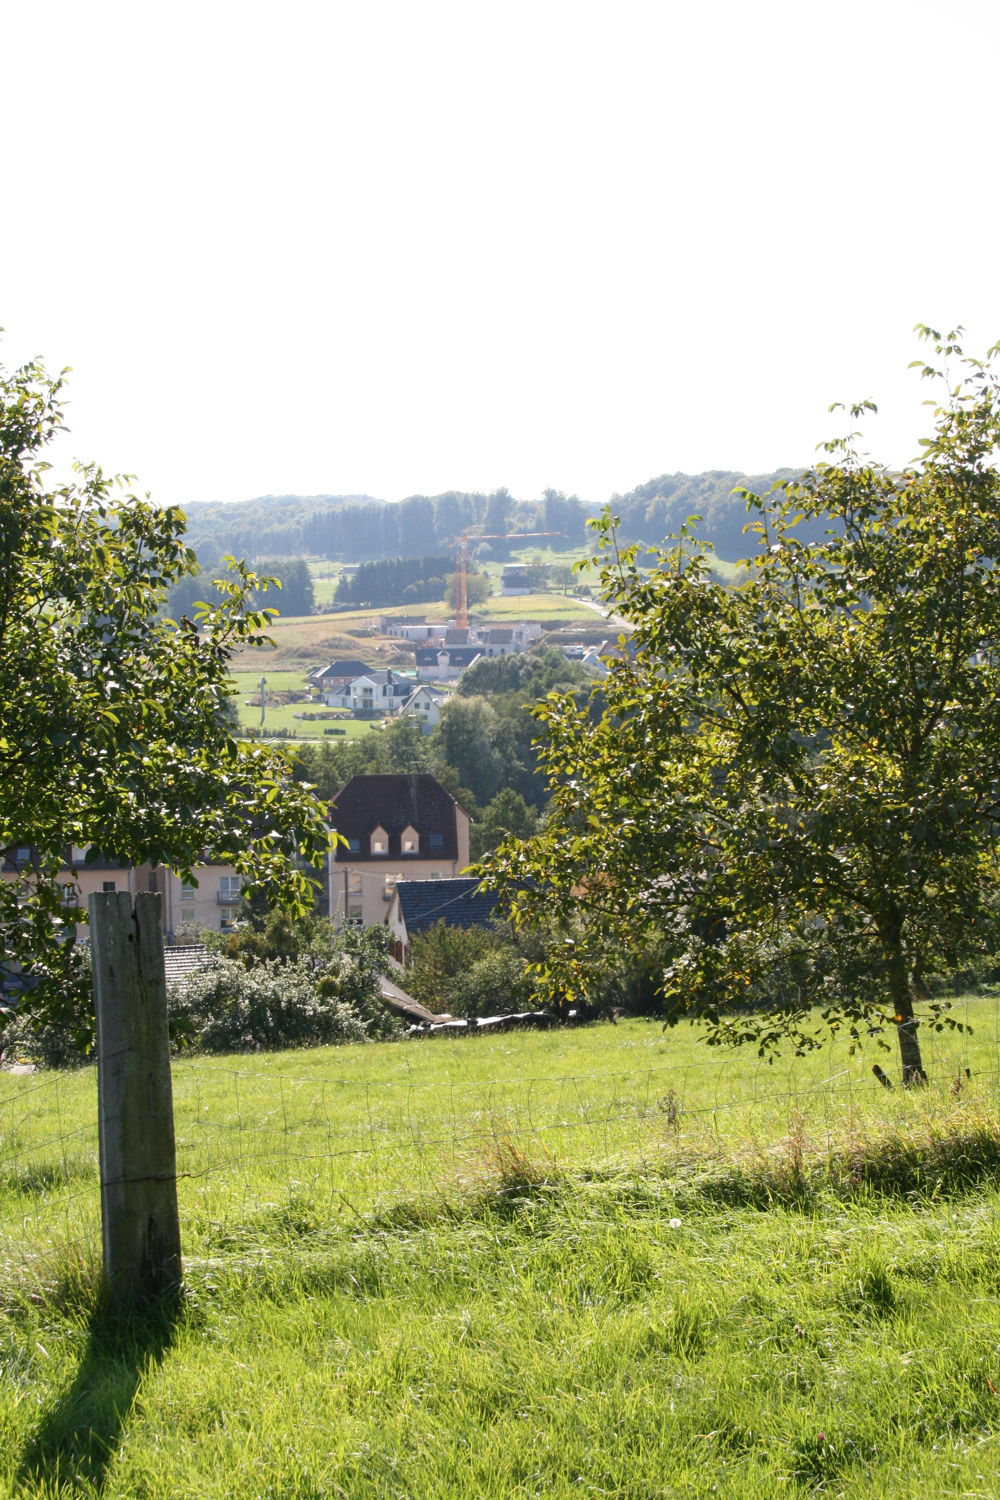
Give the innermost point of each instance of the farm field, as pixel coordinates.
(606, 1261)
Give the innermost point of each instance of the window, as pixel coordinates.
(390, 886)
(189, 893)
(187, 914)
(354, 845)
(437, 840)
(229, 885)
(23, 855)
(354, 883)
(108, 885)
(69, 894)
(227, 918)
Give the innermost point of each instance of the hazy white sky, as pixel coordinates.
(391, 248)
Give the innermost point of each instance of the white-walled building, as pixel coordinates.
(386, 690)
(426, 705)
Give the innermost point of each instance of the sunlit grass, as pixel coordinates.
(605, 1261)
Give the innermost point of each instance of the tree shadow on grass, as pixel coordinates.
(78, 1438)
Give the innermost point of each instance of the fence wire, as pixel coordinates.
(254, 1142)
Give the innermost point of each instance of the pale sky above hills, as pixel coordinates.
(397, 248)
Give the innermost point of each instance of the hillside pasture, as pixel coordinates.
(605, 1261)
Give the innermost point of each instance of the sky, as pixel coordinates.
(401, 248)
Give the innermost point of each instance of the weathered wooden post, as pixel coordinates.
(139, 1220)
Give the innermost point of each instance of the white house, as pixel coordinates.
(386, 690)
(514, 580)
(446, 665)
(426, 704)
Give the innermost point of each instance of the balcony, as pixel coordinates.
(231, 900)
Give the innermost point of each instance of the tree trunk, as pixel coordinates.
(902, 999)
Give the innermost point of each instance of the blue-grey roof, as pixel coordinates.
(454, 902)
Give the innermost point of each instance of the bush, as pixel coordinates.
(226, 1007)
(496, 984)
(474, 971)
(61, 1033)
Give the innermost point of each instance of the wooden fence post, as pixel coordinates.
(139, 1220)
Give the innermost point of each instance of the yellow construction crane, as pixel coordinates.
(461, 542)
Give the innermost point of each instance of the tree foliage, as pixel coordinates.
(395, 581)
(795, 782)
(112, 735)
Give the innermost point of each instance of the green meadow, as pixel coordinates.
(608, 1261)
(278, 716)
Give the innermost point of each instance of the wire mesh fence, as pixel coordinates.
(327, 1141)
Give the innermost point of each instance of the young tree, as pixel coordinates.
(112, 735)
(796, 781)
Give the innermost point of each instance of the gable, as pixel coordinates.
(396, 803)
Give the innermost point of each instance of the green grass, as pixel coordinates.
(283, 715)
(540, 607)
(599, 1262)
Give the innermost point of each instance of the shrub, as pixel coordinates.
(276, 982)
(62, 1034)
(226, 1007)
(497, 983)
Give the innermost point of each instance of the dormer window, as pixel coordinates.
(409, 841)
(379, 842)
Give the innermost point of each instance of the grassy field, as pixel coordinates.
(602, 1262)
(280, 716)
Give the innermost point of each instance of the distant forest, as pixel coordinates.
(395, 581)
(359, 529)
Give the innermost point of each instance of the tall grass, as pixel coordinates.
(446, 1269)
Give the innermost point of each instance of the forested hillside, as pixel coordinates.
(395, 581)
(357, 528)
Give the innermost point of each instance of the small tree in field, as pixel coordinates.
(796, 781)
(113, 731)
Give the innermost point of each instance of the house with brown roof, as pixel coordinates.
(396, 827)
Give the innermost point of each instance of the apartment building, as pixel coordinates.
(396, 827)
(212, 903)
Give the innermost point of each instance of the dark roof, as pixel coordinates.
(455, 637)
(454, 902)
(386, 677)
(11, 865)
(458, 656)
(494, 637)
(339, 669)
(395, 803)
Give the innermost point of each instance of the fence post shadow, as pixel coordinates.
(80, 1435)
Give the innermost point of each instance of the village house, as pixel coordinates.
(514, 580)
(212, 904)
(335, 675)
(416, 905)
(497, 641)
(386, 690)
(396, 827)
(445, 663)
(425, 705)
